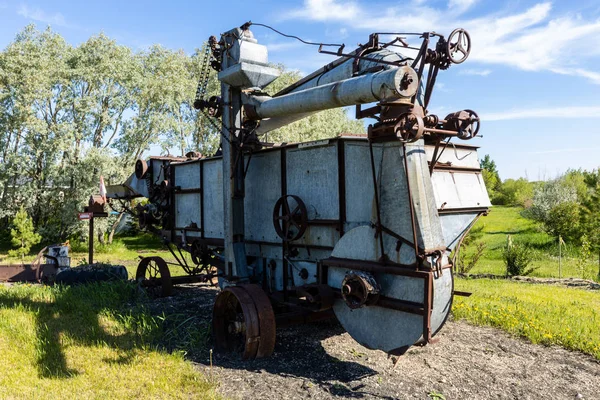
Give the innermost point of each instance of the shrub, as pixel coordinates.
(517, 257)
(23, 234)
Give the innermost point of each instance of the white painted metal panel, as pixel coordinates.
(457, 156)
(455, 189)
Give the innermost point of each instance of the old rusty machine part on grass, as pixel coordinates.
(356, 226)
(42, 270)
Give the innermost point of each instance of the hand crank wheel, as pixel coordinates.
(290, 218)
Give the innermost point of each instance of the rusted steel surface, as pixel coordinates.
(27, 272)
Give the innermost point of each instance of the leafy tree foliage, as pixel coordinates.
(69, 114)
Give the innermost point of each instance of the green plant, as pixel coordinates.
(435, 395)
(517, 257)
(23, 234)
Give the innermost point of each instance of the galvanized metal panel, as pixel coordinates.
(187, 176)
(187, 210)
(360, 206)
(312, 174)
(263, 188)
(213, 198)
(454, 227)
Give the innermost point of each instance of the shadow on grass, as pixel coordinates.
(181, 322)
(75, 312)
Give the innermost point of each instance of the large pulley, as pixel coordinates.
(244, 322)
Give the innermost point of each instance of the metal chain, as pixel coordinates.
(204, 74)
(202, 88)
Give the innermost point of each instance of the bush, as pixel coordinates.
(517, 257)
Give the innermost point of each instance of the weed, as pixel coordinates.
(436, 395)
(517, 257)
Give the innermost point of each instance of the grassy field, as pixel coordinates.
(85, 342)
(504, 221)
(544, 314)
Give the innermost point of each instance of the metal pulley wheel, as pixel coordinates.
(154, 275)
(458, 46)
(244, 322)
(141, 168)
(466, 123)
(409, 128)
(290, 218)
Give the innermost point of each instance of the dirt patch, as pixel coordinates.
(321, 361)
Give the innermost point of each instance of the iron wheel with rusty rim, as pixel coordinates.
(154, 275)
(244, 322)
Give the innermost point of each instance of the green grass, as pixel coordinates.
(84, 342)
(544, 314)
(504, 221)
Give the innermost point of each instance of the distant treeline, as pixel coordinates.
(567, 206)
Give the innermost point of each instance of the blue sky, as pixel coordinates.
(533, 75)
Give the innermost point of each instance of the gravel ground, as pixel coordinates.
(321, 361)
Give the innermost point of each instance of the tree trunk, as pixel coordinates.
(114, 228)
(101, 237)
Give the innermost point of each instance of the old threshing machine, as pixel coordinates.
(357, 226)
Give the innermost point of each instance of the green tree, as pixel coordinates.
(563, 220)
(23, 235)
(491, 177)
(515, 192)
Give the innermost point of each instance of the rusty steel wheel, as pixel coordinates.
(154, 275)
(244, 322)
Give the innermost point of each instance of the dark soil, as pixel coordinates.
(321, 361)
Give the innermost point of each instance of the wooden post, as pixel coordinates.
(559, 256)
(91, 241)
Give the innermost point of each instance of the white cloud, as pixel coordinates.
(472, 71)
(550, 112)
(532, 39)
(37, 14)
(326, 10)
(461, 5)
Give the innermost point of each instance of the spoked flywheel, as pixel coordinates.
(244, 322)
(153, 274)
